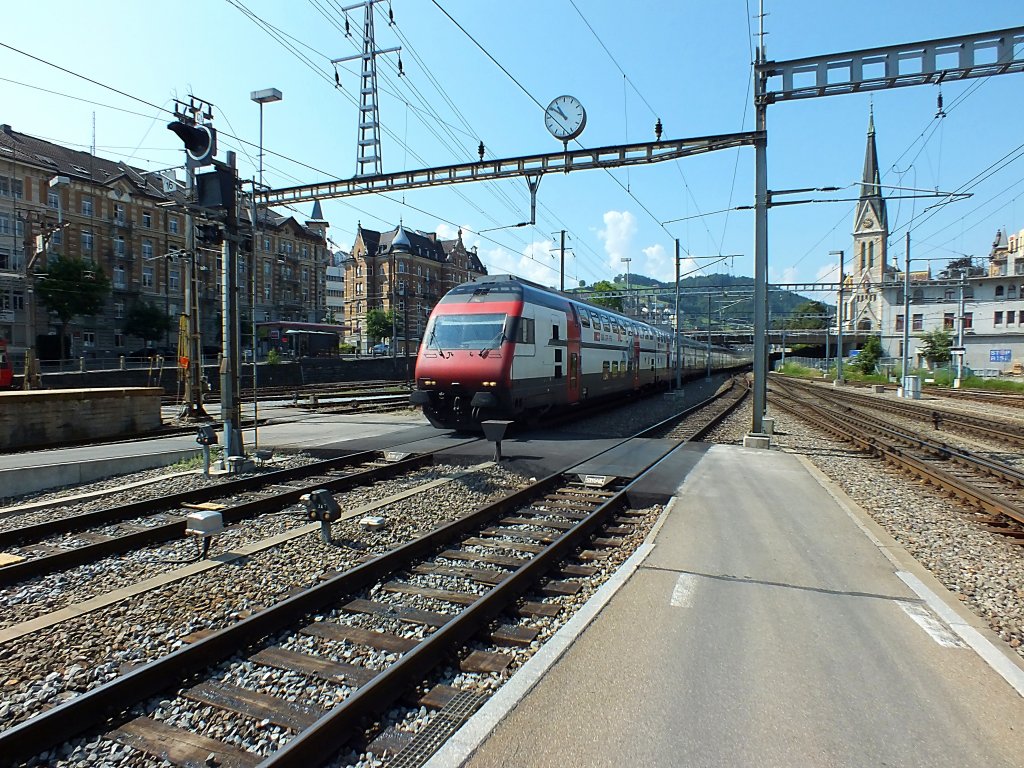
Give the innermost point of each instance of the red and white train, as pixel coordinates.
(504, 348)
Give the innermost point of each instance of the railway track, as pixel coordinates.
(991, 487)
(67, 542)
(472, 589)
(999, 432)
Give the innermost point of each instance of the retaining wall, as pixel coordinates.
(46, 417)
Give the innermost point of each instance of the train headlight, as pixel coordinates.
(488, 383)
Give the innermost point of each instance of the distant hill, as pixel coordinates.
(732, 301)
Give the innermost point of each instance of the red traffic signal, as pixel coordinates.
(200, 140)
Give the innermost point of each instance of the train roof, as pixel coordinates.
(521, 288)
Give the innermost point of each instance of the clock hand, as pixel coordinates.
(559, 111)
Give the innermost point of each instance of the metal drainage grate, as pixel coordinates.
(446, 722)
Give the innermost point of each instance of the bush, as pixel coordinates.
(273, 357)
(347, 349)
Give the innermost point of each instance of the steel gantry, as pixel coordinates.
(869, 69)
(530, 166)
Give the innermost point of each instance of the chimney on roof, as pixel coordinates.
(6, 129)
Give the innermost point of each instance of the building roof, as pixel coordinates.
(83, 166)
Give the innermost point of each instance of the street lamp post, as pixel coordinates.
(905, 358)
(266, 96)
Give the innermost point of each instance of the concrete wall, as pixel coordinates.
(46, 417)
(312, 370)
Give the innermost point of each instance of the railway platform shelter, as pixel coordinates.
(767, 621)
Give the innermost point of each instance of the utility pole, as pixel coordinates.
(679, 368)
(708, 376)
(625, 306)
(839, 318)
(761, 203)
(961, 316)
(368, 156)
(905, 361)
(561, 271)
(229, 405)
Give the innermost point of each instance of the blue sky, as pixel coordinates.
(684, 62)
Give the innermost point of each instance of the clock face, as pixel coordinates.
(565, 118)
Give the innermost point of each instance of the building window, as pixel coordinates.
(18, 300)
(147, 219)
(174, 279)
(119, 276)
(119, 247)
(917, 323)
(147, 249)
(968, 320)
(1011, 317)
(266, 244)
(53, 200)
(949, 294)
(871, 254)
(359, 288)
(86, 240)
(88, 338)
(118, 309)
(999, 291)
(1011, 291)
(288, 247)
(118, 339)
(266, 293)
(58, 237)
(118, 213)
(305, 251)
(172, 224)
(947, 321)
(997, 318)
(359, 271)
(86, 206)
(147, 277)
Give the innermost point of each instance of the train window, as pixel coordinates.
(558, 355)
(584, 318)
(526, 330)
(615, 368)
(554, 331)
(471, 331)
(605, 369)
(606, 324)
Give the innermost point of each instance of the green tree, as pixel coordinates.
(809, 315)
(147, 321)
(611, 302)
(936, 346)
(71, 288)
(380, 324)
(869, 355)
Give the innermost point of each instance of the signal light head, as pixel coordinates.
(200, 140)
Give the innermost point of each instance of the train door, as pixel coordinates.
(636, 358)
(6, 371)
(573, 350)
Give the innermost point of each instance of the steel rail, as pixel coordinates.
(41, 566)
(111, 699)
(37, 531)
(963, 490)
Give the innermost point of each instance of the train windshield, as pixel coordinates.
(482, 331)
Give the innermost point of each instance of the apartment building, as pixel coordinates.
(406, 270)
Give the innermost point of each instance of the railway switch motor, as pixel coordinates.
(321, 506)
(205, 524)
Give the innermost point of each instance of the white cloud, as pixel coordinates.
(787, 275)
(535, 262)
(618, 232)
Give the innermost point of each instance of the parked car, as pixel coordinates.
(381, 349)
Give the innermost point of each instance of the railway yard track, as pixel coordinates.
(993, 488)
(280, 652)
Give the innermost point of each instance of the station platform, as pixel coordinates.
(767, 621)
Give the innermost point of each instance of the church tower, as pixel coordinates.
(870, 223)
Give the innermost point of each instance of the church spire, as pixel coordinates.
(870, 185)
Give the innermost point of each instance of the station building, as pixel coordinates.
(983, 304)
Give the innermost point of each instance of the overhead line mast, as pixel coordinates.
(368, 154)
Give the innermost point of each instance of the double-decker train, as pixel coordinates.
(501, 347)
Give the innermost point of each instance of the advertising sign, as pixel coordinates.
(999, 355)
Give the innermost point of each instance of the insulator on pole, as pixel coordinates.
(401, 69)
(657, 130)
(480, 150)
